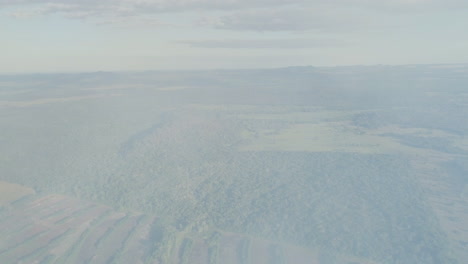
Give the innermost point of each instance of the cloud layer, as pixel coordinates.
(253, 15)
(183, 5)
(286, 19)
(125, 7)
(264, 43)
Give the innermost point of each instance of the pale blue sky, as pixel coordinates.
(106, 35)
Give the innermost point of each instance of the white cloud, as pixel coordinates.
(256, 15)
(264, 43)
(131, 11)
(180, 5)
(151, 5)
(287, 19)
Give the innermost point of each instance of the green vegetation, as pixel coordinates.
(243, 251)
(310, 160)
(185, 251)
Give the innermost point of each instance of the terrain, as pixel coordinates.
(362, 164)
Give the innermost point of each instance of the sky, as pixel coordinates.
(133, 35)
